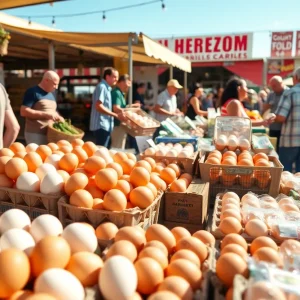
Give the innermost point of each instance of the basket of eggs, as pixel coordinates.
(139, 123)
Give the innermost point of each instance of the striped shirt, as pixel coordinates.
(101, 93)
(289, 107)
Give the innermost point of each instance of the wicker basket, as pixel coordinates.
(54, 135)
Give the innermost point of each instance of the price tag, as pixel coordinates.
(142, 143)
(237, 171)
(151, 143)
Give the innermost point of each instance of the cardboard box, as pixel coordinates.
(192, 228)
(189, 207)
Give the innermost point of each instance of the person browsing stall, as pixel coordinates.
(39, 108)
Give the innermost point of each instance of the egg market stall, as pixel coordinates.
(80, 221)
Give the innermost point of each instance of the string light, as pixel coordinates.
(103, 12)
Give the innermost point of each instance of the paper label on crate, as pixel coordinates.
(151, 143)
(142, 143)
(237, 171)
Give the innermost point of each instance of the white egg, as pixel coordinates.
(53, 159)
(80, 238)
(14, 218)
(59, 283)
(172, 153)
(52, 184)
(29, 182)
(184, 154)
(232, 143)
(161, 152)
(105, 154)
(31, 147)
(44, 169)
(178, 146)
(244, 144)
(45, 225)
(118, 278)
(221, 142)
(150, 151)
(17, 238)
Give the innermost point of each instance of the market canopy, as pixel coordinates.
(7, 4)
(144, 49)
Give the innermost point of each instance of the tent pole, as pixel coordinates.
(185, 84)
(51, 56)
(130, 69)
(171, 72)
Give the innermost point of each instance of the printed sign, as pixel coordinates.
(297, 53)
(212, 48)
(282, 44)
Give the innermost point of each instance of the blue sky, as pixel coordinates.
(181, 18)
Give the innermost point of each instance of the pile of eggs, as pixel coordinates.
(143, 121)
(232, 143)
(289, 181)
(41, 260)
(230, 158)
(234, 255)
(181, 184)
(171, 150)
(254, 216)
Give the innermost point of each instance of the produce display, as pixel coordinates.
(41, 259)
(258, 216)
(171, 150)
(66, 127)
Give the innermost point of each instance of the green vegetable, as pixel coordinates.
(65, 127)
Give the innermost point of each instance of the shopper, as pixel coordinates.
(39, 108)
(195, 102)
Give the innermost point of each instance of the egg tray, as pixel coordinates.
(141, 113)
(218, 289)
(30, 199)
(218, 234)
(130, 217)
(259, 187)
(188, 164)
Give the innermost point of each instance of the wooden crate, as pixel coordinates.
(129, 217)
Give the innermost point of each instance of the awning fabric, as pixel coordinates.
(145, 50)
(6, 4)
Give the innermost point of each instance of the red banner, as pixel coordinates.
(282, 44)
(297, 53)
(281, 67)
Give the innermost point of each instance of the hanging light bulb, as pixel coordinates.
(29, 21)
(163, 6)
(104, 17)
(53, 21)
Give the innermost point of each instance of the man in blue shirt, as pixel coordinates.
(102, 116)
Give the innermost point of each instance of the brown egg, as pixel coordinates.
(75, 182)
(268, 255)
(256, 228)
(195, 245)
(21, 295)
(177, 285)
(163, 234)
(151, 161)
(237, 249)
(187, 270)
(230, 225)
(86, 267)
(127, 166)
(188, 255)
(205, 237)
(124, 186)
(163, 295)
(178, 186)
(229, 294)
(94, 191)
(124, 248)
(264, 290)
(144, 164)
(106, 179)
(157, 244)
(82, 198)
(155, 253)
(235, 213)
(15, 167)
(168, 175)
(106, 231)
(289, 207)
(114, 200)
(155, 179)
(229, 206)
(139, 176)
(50, 252)
(229, 265)
(231, 201)
(141, 196)
(15, 271)
(262, 241)
(150, 274)
(290, 247)
(180, 232)
(175, 168)
(133, 235)
(187, 176)
(234, 238)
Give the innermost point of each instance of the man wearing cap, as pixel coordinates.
(166, 105)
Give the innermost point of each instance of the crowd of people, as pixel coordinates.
(39, 107)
